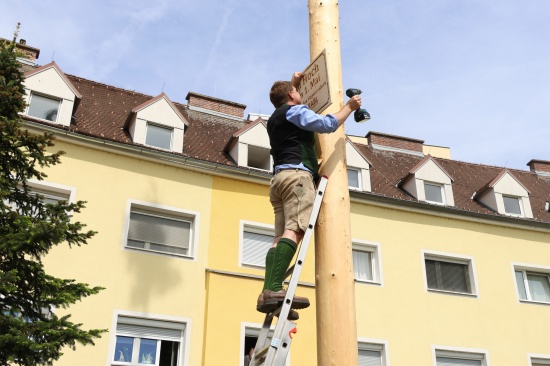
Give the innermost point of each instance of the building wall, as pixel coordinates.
(413, 320)
(218, 295)
(135, 281)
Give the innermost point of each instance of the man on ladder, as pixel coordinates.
(291, 130)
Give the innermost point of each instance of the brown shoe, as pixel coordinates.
(292, 315)
(269, 300)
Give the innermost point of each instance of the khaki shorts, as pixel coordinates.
(291, 193)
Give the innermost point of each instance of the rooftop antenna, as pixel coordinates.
(53, 54)
(162, 91)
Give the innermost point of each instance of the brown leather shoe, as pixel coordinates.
(292, 315)
(269, 300)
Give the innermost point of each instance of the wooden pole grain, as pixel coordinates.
(334, 280)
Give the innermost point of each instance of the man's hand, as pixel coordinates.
(354, 102)
(296, 78)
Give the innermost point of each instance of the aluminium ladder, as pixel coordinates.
(274, 353)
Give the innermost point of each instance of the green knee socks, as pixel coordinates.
(268, 267)
(277, 262)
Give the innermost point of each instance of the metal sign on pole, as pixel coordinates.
(315, 86)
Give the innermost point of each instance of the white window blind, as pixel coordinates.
(445, 361)
(153, 329)
(370, 358)
(164, 234)
(255, 247)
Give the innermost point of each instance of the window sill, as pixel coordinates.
(465, 294)
(523, 301)
(173, 255)
(367, 282)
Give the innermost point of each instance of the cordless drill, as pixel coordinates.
(360, 115)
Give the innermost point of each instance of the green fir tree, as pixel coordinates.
(30, 331)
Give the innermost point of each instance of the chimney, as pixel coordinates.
(204, 102)
(540, 167)
(389, 142)
(30, 54)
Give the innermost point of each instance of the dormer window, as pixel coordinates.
(44, 107)
(358, 168)
(249, 146)
(159, 136)
(157, 123)
(427, 181)
(50, 95)
(435, 193)
(512, 205)
(354, 178)
(259, 157)
(506, 195)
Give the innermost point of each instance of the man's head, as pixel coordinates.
(283, 92)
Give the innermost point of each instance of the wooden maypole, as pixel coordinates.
(334, 281)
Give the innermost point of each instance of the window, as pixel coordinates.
(256, 241)
(512, 205)
(449, 274)
(456, 358)
(250, 333)
(44, 107)
(158, 136)
(259, 157)
(147, 341)
(434, 192)
(533, 286)
(366, 261)
(354, 178)
(161, 230)
(371, 354)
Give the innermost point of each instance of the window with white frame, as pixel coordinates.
(449, 274)
(141, 341)
(455, 358)
(371, 354)
(512, 205)
(160, 230)
(354, 178)
(43, 107)
(49, 193)
(540, 360)
(533, 285)
(259, 157)
(159, 136)
(256, 240)
(366, 262)
(434, 192)
(249, 337)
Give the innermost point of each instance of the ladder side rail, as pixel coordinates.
(262, 342)
(277, 356)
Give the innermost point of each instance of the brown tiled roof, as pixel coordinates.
(104, 109)
(389, 167)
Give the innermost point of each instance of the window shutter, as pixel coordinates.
(151, 329)
(454, 277)
(158, 230)
(255, 247)
(444, 361)
(370, 358)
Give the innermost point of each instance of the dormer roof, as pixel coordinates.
(53, 65)
(497, 179)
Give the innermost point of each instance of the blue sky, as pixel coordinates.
(470, 75)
